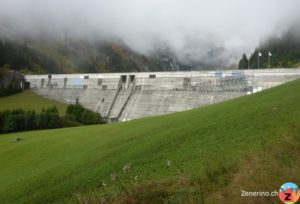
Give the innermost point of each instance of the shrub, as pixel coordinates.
(90, 117)
(10, 124)
(49, 119)
(75, 111)
(20, 120)
(30, 120)
(79, 114)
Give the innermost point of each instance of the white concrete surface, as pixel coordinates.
(155, 93)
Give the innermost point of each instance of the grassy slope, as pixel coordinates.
(28, 100)
(214, 144)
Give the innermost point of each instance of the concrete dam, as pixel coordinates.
(127, 96)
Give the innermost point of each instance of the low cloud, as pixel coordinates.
(192, 28)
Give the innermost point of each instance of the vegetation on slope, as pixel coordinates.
(28, 100)
(70, 56)
(20, 118)
(285, 52)
(204, 155)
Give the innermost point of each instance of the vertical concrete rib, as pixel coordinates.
(114, 100)
(131, 88)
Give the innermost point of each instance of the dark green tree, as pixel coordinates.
(285, 51)
(77, 113)
(30, 120)
(90, 117)
(243, 64)
(10, 124)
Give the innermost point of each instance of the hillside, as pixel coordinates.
(206, 155)
(285, 51)
(28, 100)
(80, 56)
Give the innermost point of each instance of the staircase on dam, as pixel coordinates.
(122, 96)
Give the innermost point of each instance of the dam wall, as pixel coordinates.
(127, 96)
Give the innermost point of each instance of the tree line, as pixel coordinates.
(285, 51)
(9, 90)
(20, 120)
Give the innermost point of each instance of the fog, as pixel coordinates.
(192, 28)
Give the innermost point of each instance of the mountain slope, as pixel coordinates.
(208, 150)
(285, 51)
(70, 56)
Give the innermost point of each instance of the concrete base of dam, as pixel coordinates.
(127, 96)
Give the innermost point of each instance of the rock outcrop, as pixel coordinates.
(11, 82)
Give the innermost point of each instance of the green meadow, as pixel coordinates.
(28, 100)
(206, 155)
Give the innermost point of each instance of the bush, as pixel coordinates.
(10, 90)
(19, 120)
(69, 122)
(90, 117)
(75, 111)
(79, 114)
(30, 120)
(10, 124)
(13, 120)
(1, 121)
(49, 119)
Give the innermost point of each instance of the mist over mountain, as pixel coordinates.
(281, 50)
(78, 56)
(156, 35)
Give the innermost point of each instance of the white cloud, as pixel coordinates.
(188, 26)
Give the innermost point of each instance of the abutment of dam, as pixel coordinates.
(127, 96)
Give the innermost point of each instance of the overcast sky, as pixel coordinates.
(187, 26)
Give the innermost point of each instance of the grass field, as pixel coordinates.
(206, 155)
(29, 100)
